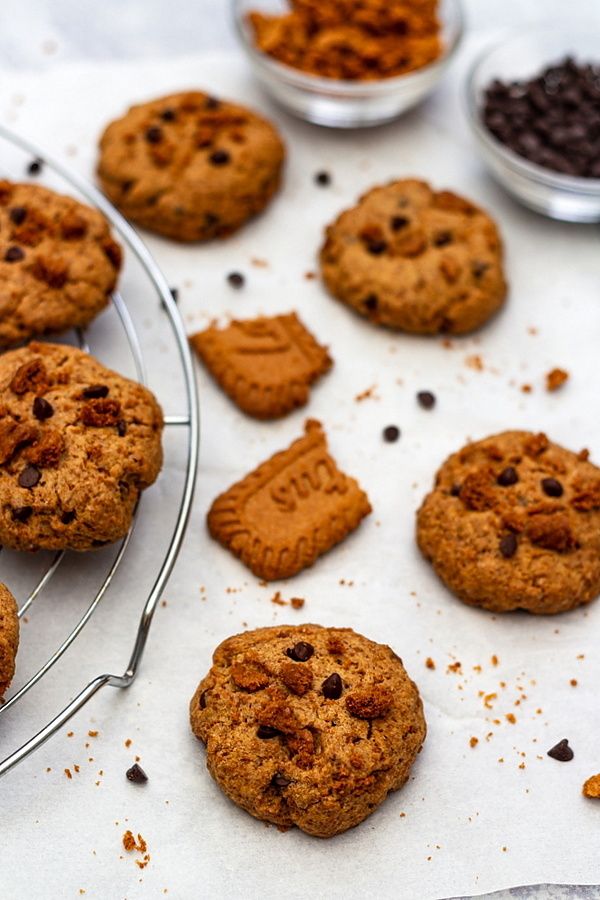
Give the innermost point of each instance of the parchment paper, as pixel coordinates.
(471, 819)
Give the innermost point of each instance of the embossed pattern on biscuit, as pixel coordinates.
(294, 507)
(9, 638)
(265, 365)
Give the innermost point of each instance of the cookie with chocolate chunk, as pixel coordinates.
(58, 263)
(513, 522)
(9, 638)
(415, 259)
(78, 444)
(190, 166)
(308, 726)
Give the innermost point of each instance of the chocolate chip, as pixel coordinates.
(391, 433)
(280, 781)
(323, 179)
(219, 158)
(455, 490)
(552, 487)
(398, 222)
(154, 134)
(22, 513)
(332, 687)
(371, 302)
(479, 268)
(67, 517)
(168, 115)
(212, 103)
(426, 399)
(442, 238)
(265, 732)
(95, 391)
(507, 477)
(35, 166)
(236, 279)
(136, 774)
(202, 701)
(17, 215)
(561, 751)
(508, 545)
(14, 254)
(300, 652)
(29, 477)
(376, 248)
(42, 409)
(121, 428)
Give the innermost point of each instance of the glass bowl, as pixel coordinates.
(345, 104)
(519, 57)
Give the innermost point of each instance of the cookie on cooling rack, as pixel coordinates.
(189, 166)
(78, 443)
(58, 263)
(513, 522)
(308, 726)
(416, 259)
(9, 638)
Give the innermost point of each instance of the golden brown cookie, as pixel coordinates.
(308, 726)
(293, 508)
(78, 444)
(266, 365)
(190, 166)
(58, 262)
(513, 522)
(415, 259)
(9, 638)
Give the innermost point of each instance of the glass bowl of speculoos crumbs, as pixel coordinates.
(533, 102)
(349, 63)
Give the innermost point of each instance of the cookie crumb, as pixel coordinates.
(429, 663)
(591, 787)
(526, 389)
(473, 742)
(555, 379)
(297, 602)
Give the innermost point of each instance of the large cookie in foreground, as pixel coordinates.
(416, 259)
(78, 443)
(513, 522)
(308, 726)
(189, 166)
(58, 263)
(9, 638)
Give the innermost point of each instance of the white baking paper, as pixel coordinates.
(471, 819)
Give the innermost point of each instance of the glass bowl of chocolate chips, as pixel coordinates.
(534, 106)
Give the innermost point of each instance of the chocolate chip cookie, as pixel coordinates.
(78, 444)
(9, 638)
(190, 166)
(58, 263)
(416, 259)
(308, 726)
(513, 522)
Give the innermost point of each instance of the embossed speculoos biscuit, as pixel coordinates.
(78, 444)
(190, 166)
(308, 726)
(412, 258)
(294, 507)
(513, 522)
(9, 638)
(266, 365)
(58, 262)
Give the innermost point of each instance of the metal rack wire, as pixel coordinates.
(187, 419)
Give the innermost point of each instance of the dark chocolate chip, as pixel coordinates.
(442, 238)
(300, 652)
(42, 409)
(507, 477)
(29, 477)
(426, 399)
(14, 254)
(391, 433)
(561, 751)
(68, 516)
(17, 215)
(455, 490)
(552, 487)
(398, 222)
(265, 732)
(121, 428)
(376, 248)
(22, 513)
(154, 134)
(35, 166)
(168, 115)
(280, 781)
(508, 545)
(219, 158)
(136, 774)
(212, 103)
(236, 279)
(202, 701)
(371, 302)
(95, 391)
(323, 179)
(332, 687)
(479, 268)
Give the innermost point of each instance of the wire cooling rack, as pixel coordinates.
(31, 576)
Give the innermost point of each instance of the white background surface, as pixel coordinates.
(60, 836)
